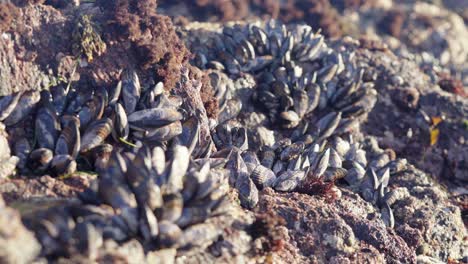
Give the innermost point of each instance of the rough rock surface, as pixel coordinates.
(22, 188)
(426, 219)
(14, 236)
(334, 230)
(405, 92)
(39, 49)
(25, 63)
(7, 161)
(349, 228)
(286, 227)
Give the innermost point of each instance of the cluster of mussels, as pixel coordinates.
(73, 124)
(153, 184)
(291, 109)
(293, 127)
(161, 198)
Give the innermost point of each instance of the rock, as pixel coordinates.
(163, 256)
(17, 244)
(302, 228)
(335, 230)
(427, 260)
(458, 156)
(428, 219)
(7, 162)
(23, 188)
(26, 49)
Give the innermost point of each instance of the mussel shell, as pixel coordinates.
(39, 159)
(169, 234)
(327, 124)
(268, 158)
(149, 228)
(333, 174)
(160, 134)
(178, 167)
(101, 155)
(91, 111)
(69, 141)
(289, 119)
(387, 216)
(230, 110)
(288, 181)
(46, 127)
(23, 108)
(193, 215)
(8, 103)
(131, 90)
(96, 133)
(62, 165)
(262, 176)
(59, 95)
(154, 117)
(77, 98)
(114, 93)
(248, 192)
(120, 121)
(190, 134)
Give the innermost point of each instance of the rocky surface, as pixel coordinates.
(407, 98)
(430, 208)
(347, 228)
(23, 188)
(17, 244)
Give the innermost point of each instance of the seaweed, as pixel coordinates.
(318, 186)
(266, 225)
(86, 39)
(153, 37)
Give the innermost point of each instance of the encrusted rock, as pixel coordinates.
(17, 244)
